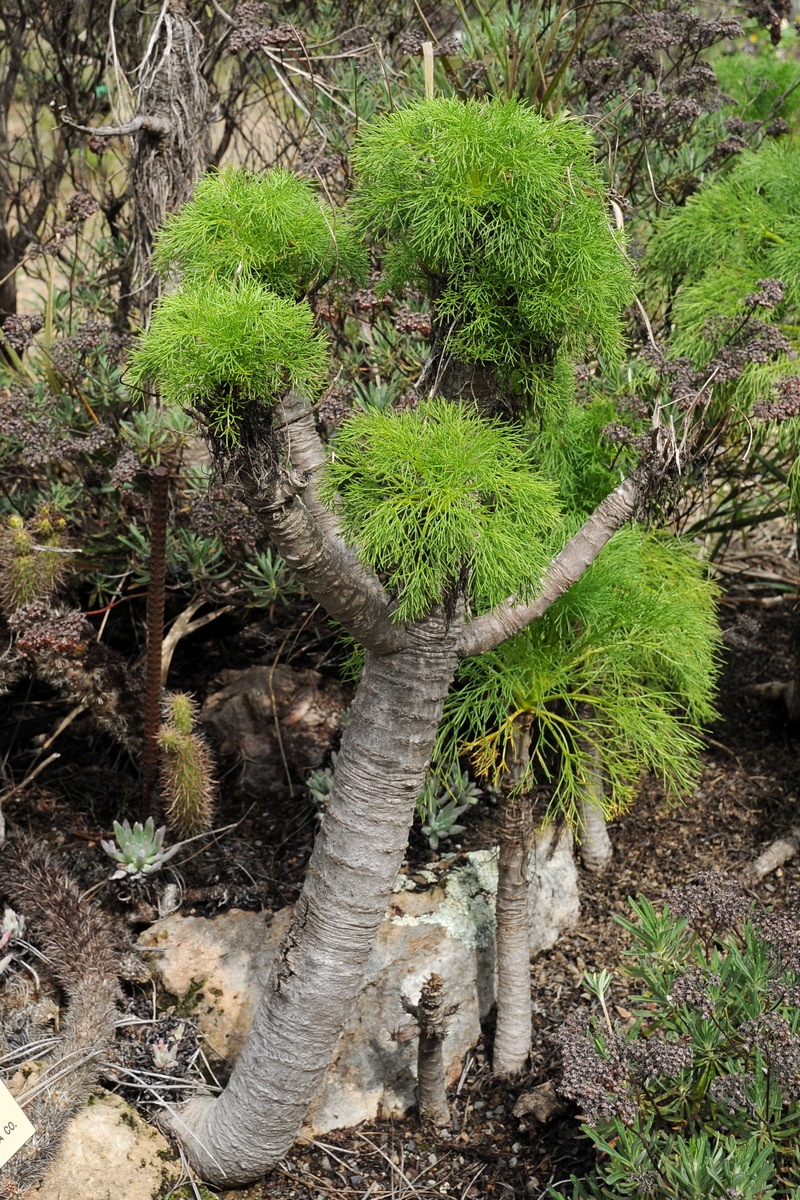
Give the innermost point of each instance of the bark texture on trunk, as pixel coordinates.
(431, 1090)
(512, 1039)
(330, 571)
(318, 970)
(596, 850)
(171, 144)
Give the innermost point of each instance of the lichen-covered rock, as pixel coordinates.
(217, 967)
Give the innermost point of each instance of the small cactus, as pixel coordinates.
(32, 558)
(187, 769)
(138, 851)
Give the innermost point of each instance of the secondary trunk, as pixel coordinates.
(431, 1090)
(319, 968)
(595, 844)
(512, 1039)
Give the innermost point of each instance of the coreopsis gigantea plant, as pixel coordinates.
(430, 534)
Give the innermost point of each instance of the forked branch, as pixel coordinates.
(485, 632)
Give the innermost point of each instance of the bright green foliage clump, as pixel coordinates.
(701, 1098)
(622, 666)
(757, 81)
(271, 228)
(217, 347)
(572, 451)
(728, 237)
(500, 214)
(187, 770)
(437, 496)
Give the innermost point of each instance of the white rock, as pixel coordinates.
(220, 965)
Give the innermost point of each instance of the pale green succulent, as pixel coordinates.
(320, 783)
(441, 803)
(138, 851)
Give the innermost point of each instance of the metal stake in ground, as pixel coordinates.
(155, 634)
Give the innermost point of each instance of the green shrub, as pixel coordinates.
(270, 227)
(217, 347)
(623, 666)
(701, 1097)
(500, 215)
(764, 84)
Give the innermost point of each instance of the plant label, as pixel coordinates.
(15, 1128)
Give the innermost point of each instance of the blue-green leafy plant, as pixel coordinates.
(701, 1096)
(442, 801)
(499, 214)
(138, 850)
(438, 496)
(320, 783)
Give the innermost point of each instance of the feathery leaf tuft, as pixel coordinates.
(500, 214)
(217, 347)
(270, 227)
(435, 495)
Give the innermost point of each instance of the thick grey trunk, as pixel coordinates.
(276, 495)
(319, 968)
(595, 845)
(512, 1039)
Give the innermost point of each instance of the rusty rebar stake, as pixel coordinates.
(159, 508)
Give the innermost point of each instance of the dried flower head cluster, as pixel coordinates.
(738, 342)
(784, 404)
(20, 329)
(42, 630)
(253, 30)
(80, 207)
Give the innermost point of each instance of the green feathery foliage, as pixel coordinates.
(624, 665)
(730, 235)
(573, 452)
(217, 347)
(270, 227)
(715, 252)
(500, 214)
(435, 495)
